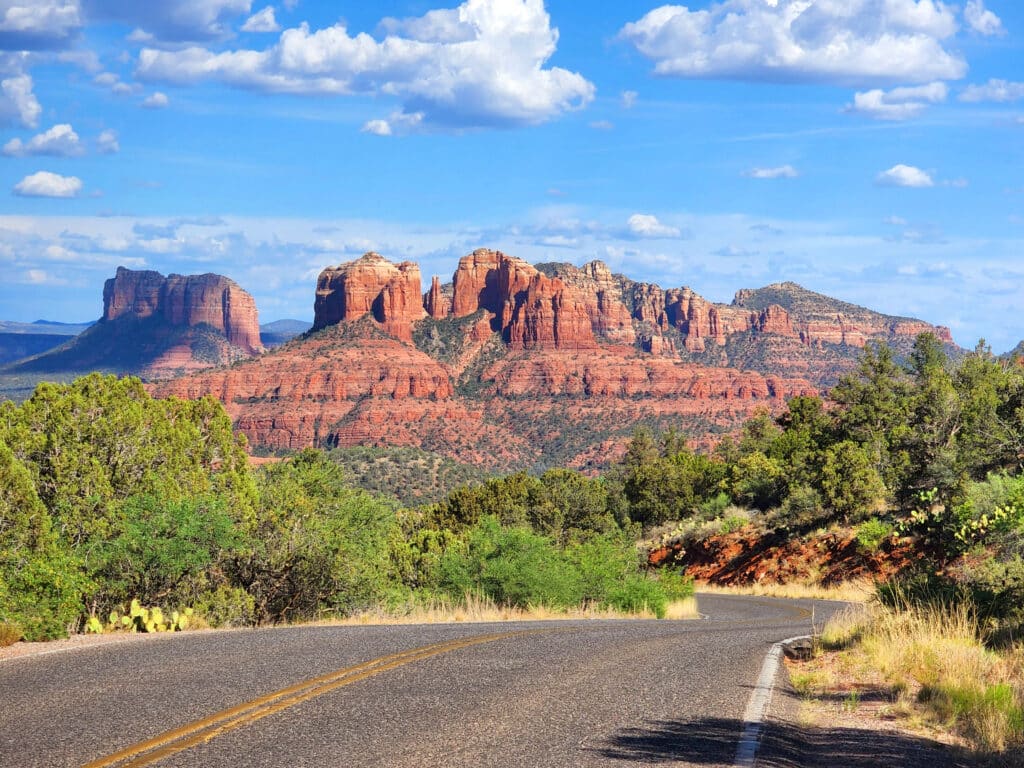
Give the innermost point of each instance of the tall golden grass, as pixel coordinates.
(934, 658)
(476, 609)
(847, 592)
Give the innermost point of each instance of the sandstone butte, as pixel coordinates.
(161, 326)
(513, 365)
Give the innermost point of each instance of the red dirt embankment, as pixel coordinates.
(743, 557)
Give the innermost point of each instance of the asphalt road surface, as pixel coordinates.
(560, 693)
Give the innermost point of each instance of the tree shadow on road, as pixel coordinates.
(712, 741)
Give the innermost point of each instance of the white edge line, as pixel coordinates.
(753, 717)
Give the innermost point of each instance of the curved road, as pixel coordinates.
(560, 693)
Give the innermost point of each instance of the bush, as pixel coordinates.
(801, 509)
(638, 594)
(871, 533)
(512, 566)
(9, 634)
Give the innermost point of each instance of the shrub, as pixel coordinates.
(638, 594)
(512, 566)
(871, 533)
(801, 509)
(9, 634)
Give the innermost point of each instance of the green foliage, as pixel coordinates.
(850, 482)
(512, 566)
(163, 551)
(316, 544)
(638, 594)
(979, 711)
(667, 483)
(411, 475)
(39, 580)
(871, 533)
(758, 481)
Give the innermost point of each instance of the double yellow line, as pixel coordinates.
(180, 739)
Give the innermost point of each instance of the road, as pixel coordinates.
(560, 693)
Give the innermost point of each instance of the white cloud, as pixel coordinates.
(899, 103)
(156, 100)
(377, 127)
(28, 25)
(46, 184)
(59, 141)
(846, 42)
(994, 90)
(18, 104)
(982, 21)
(171, 20)
(602, 125)
(263, 21)
(107, 143)
(628, 99)
(904, 176)
(645, 225)
(781, 172)
(478, 65)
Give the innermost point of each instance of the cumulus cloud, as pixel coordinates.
(18, 104)
(172, 20)
(30, 25)
(46, 184)
(263, 21)
(59, 141)
(781, 172)
(478, 65)
(107, 143)
(994, 90)
(904, 176)
(853, 42)
(602, 125)
(628, 99)
(156, 100)
(899, 103)
(645, 225)
(982, 21)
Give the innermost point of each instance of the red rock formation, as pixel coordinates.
(370, 285)
(550, 316)
(435, 302)
(185, 301)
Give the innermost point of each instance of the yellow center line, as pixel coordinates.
(207, 728)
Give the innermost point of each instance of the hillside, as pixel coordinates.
(515, 366)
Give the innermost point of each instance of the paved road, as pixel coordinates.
(587, 693)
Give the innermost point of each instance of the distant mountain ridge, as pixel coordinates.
(511, 365)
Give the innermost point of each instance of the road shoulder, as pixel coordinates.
(822, 733)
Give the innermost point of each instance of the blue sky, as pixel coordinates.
(872, 150)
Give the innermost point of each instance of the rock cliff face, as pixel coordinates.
(371, 285)
(185, 301)
(158, 326)
(513, 365)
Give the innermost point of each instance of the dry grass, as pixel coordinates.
(9, 634)
(933, 663)
(847, 592)
(474, 609)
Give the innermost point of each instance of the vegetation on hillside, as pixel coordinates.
(109, 496)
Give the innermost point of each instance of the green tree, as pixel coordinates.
(317, 545)
(850, 482)
(40, 583)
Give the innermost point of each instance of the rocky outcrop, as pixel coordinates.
(522, 365)
(185, 301)
(391, 293)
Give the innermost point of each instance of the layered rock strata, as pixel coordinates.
(185, 301)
